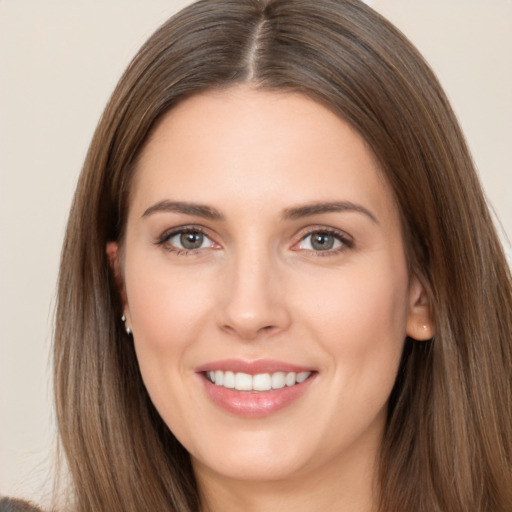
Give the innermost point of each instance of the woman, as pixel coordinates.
(280, 285)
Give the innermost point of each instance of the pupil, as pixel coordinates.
(191, 240)
(322, 241)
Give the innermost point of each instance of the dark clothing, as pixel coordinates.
(10, 505)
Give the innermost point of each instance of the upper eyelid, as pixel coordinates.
(168, 233)
(323, 229)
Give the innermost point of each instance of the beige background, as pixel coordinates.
(59, 61)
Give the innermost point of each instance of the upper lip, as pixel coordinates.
(252, 367)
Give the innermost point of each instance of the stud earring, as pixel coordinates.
(427, 330)
(126, 328)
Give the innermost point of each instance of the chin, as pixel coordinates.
(252, 468)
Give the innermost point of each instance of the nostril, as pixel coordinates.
(249, 332)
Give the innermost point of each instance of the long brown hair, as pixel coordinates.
(448, 440)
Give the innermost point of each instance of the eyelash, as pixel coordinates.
(345, 241)
(164, 239)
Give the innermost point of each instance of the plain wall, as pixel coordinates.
(59, 62)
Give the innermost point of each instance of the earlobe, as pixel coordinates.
(420, 324)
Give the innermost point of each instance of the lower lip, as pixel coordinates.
(255, 404)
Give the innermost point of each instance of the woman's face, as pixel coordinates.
(266, 285)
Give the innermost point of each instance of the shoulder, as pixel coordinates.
(12, 505)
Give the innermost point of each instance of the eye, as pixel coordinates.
(184, 240)
(190, 240)
(324, 241)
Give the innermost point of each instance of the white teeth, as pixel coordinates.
(229, 380)
(262, 382)
(290, 378)
(259, 382)
(301, 377)
(243, 381)
(278, 380)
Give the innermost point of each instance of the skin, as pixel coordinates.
(257, 288)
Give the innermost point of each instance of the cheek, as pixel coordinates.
(165, 305)
(359, 317)
(359, 321)
(166, 309)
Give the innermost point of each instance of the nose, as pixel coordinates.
(253, 299)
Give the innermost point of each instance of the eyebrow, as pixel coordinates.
(198, 210)
(296, 212)
(327, 207)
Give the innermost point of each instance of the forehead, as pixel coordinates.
(248, 145)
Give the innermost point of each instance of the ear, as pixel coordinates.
(420, 324)
(115, 266)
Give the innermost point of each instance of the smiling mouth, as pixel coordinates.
(241, 381)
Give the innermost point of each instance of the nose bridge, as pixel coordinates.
(252, 301)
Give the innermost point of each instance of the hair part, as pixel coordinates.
(448, 441)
